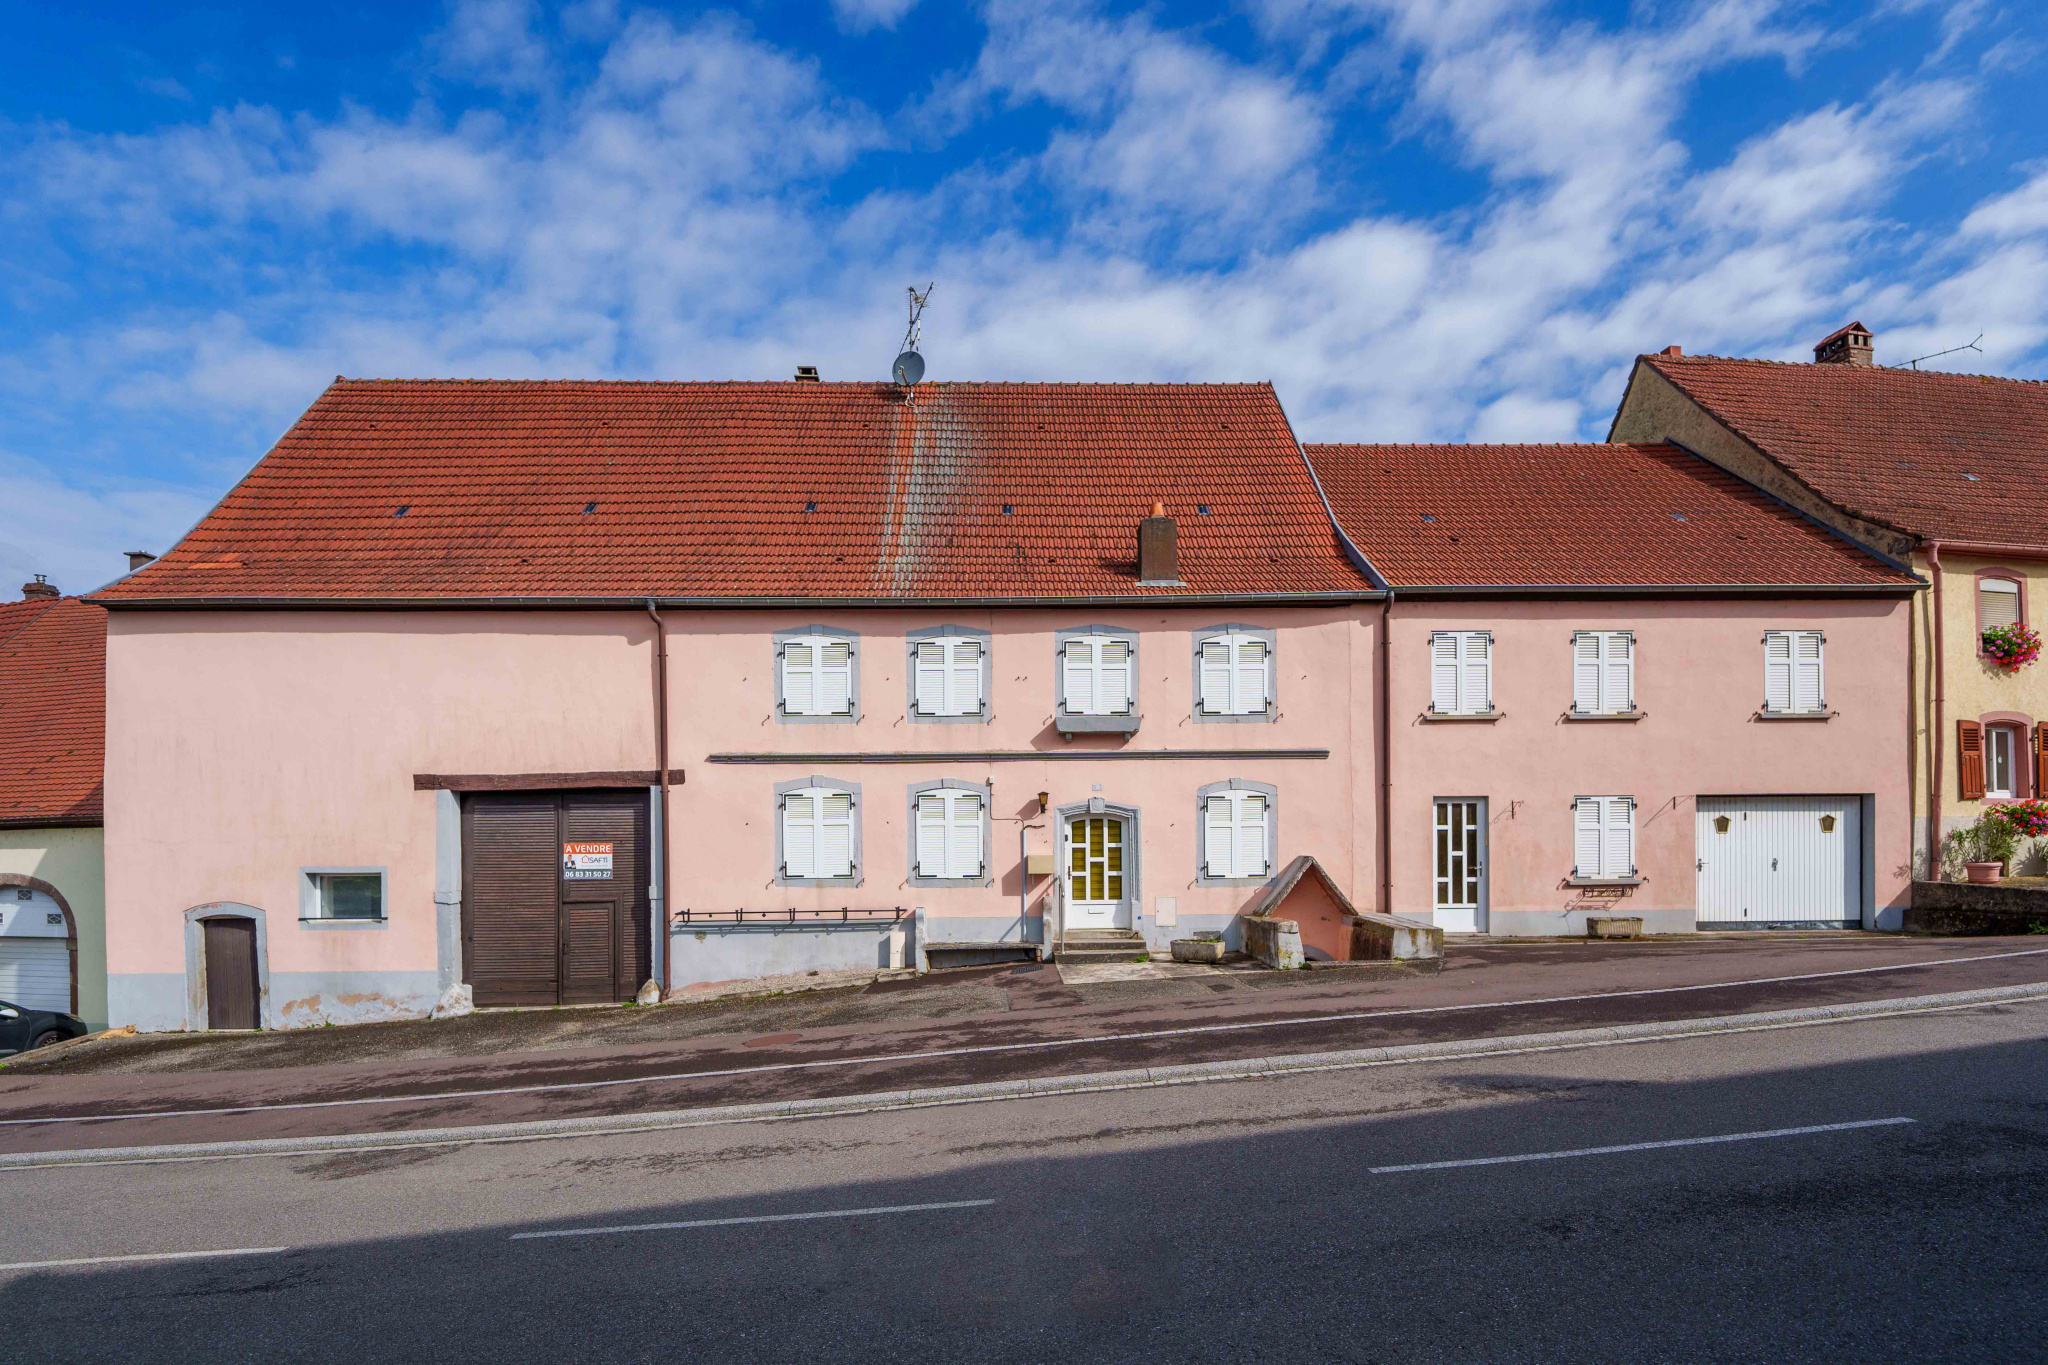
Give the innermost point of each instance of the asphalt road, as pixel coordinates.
(1049, 1031)
(1240, 1221)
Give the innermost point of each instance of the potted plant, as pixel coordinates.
(1986, 848)
(2013, 646)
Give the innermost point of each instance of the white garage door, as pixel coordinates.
(36, 973)
(1779, 859)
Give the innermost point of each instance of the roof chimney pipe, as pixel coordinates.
(1159, 549)
(40, 588)
(138, 558)
(1850, 346)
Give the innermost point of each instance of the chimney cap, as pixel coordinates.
(1673, 351)
(1158, 509)
(42, 587)
(138, 558)
(807, 374)
(1849, 345)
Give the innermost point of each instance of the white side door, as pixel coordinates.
(1098, 872)
(1459, 859)
(1778, 859)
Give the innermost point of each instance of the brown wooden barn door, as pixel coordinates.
(511, 897)
(605, 940)
(231, 990)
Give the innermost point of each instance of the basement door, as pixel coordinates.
(1778, 860)
(554, 896)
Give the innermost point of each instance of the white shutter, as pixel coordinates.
(963, 835)
(1586, 672)
(1618, 851)
(1475, 672)
(1113, 688)
(1586, 826)
(1443, 672)
(835, 678)
(1077, 677)
(1617, 674)
(1216, 676)
(1777, 671)
(835, 834)
(963, 679)
(798, 678)
(931, 677)
(1806, 680)
(931, 835)
(1250, 676)
(1251, 835)
(799, 835)
(1218, 838)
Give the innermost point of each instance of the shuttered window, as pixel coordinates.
(949, 842)
(817, 833)
(817, 676)
(1998, 603)
(1460, 672)
(1234, 834)
(1603, 672)
(1234, 673)
(1792, 671)
(1095, 676)
(948, 677)
(1604, 837)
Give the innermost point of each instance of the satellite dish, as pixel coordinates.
(908, 369)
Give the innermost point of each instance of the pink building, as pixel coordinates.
(386, 730)
(1624, 682)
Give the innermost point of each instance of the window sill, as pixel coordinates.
(1797, 715)
(1604, 715)
(1097, 725)
(1439, 717)
(1605, 881)
(378, 923)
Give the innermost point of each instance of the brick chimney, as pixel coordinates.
(1850, 346)
(1158, 548)
(39, 588)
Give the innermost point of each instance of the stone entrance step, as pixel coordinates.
(1103, 945)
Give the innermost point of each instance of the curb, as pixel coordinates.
(1191, 1073)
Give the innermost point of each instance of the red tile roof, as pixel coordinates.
(53, 697)
(1576, 515)
(1940, 456)
(411, 489)
(15, 615)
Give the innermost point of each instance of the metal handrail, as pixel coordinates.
(792, 915)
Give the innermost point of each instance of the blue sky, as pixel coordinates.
(1422, 219)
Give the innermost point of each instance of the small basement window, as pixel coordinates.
(353, 894)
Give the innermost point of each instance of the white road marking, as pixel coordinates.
(1042, 1043)
(144, 1256)
(1637, 1146)
(761, 1218)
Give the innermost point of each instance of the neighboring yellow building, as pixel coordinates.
(1942, 472)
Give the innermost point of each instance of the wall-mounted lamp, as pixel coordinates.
(1044, 800)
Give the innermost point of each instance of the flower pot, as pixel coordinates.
(1983, 872)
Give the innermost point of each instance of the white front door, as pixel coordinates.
(1097, 897)
(1778, 859)
(1460, 838)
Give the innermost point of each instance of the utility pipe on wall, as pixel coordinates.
(661, 767)
(1935, 744)
(1386, 743)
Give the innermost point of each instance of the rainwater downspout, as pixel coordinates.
(1934, 741)
(661, 766)
(1385, 745)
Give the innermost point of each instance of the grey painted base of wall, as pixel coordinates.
(712, 954)
(1572, 923)
(155, 1002)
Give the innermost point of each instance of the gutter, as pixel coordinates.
(1661, 589)
(640, 602)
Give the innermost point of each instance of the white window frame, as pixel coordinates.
(1471, 665)
(817, 787)
(2010, 588)
(1096, 637)
(1993, 735)
(1609, 672)
(1614, 818)
(951, 640)
(1239, 703)
(953, 793)
(811, 637)
(1795, 670)
(1231, 870)
(313, 911)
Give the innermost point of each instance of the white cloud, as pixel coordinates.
(859, 16)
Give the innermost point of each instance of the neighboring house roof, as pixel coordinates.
(698, 490)
(1939, 456)
(15, 615)
(1577, 516)
(53, 697)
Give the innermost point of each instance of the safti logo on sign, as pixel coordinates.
(586, 862)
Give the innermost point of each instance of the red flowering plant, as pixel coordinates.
(2013, 646)
(2026, 819)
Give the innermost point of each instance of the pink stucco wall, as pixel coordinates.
(1320, 919)
(1699, 679)
(244, 746)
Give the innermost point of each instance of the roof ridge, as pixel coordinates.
(1848, 369)
(822, 383)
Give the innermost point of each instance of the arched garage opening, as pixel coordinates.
(38, 945)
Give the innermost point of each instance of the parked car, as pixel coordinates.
(23, 1029)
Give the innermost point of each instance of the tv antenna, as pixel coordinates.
(909, 366)
(1966, 346)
